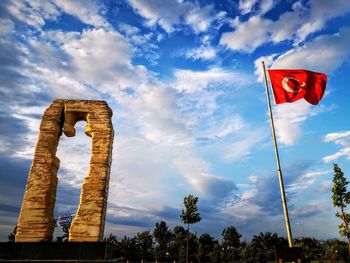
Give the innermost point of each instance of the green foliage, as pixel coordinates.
(231, 237)
(249, 253)
(128, 247)
(335, 250)
(114, 246)
(163, 236)
(178, 245)
(265, 240)
(192, 247)
(11, 237)
(215, 256)
(312, 248)
(230, 244)
(190, 215)
(341, 198)
(205, 249)
(206, 245)
(112, 240)
(179, 233)
(266, 245)
(144, 242)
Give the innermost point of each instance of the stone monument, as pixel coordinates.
(36, 220)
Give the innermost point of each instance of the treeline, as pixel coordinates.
(165, 244)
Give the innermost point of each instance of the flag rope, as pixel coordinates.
(279, 171)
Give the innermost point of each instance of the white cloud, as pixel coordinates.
(306, 180)
(6, 26)
(128, 29)
(86, 11)
(158, 117)
(191, 81)
(246, 6)
(331, 48)
(266, 5)
(244, 144)
(312, 208)
(261, 199)
(250, 6)
(222, 128)
(170, 14)
(309, 20)
(325, 187)
(342, 139)
(143, 44)
(268, 60)
(94, 59)
(33, 13)
(244, 209)
(96, 55)
(240, 40)
(337, 137)
(197, 173)
(289, 118)
(201, 18)
(202, 53)
(36, 13)
(165, 14)
(320, 13)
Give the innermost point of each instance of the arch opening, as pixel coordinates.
(74, 154)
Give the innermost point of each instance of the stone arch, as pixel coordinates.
(36, 222)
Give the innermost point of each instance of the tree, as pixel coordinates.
(114, 245)
(12, 236)
(145, 244)
(128, 246)
(249, 253)
(178, 246)
(335, 250)
(163, 236)
(216, 255)
(230, 243)
(206, 245)
(190, 215)
(341, 198)
(192, 247)
(312, 249)
(112, 240)
(267, 242)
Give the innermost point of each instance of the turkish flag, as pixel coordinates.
(294, 84)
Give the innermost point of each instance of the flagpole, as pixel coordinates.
(279, 171)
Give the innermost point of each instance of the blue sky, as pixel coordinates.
(189, 110)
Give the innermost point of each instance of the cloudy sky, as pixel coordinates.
(189, 110)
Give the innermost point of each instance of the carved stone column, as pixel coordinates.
(36, 222)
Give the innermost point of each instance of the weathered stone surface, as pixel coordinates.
(36, 222)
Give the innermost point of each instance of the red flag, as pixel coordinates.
(294, 84)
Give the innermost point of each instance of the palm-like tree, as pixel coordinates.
(268, 242)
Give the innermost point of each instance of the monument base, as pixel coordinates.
(54, 251)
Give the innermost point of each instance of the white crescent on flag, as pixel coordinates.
(288, 88)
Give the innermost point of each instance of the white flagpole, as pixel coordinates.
(279, 171)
